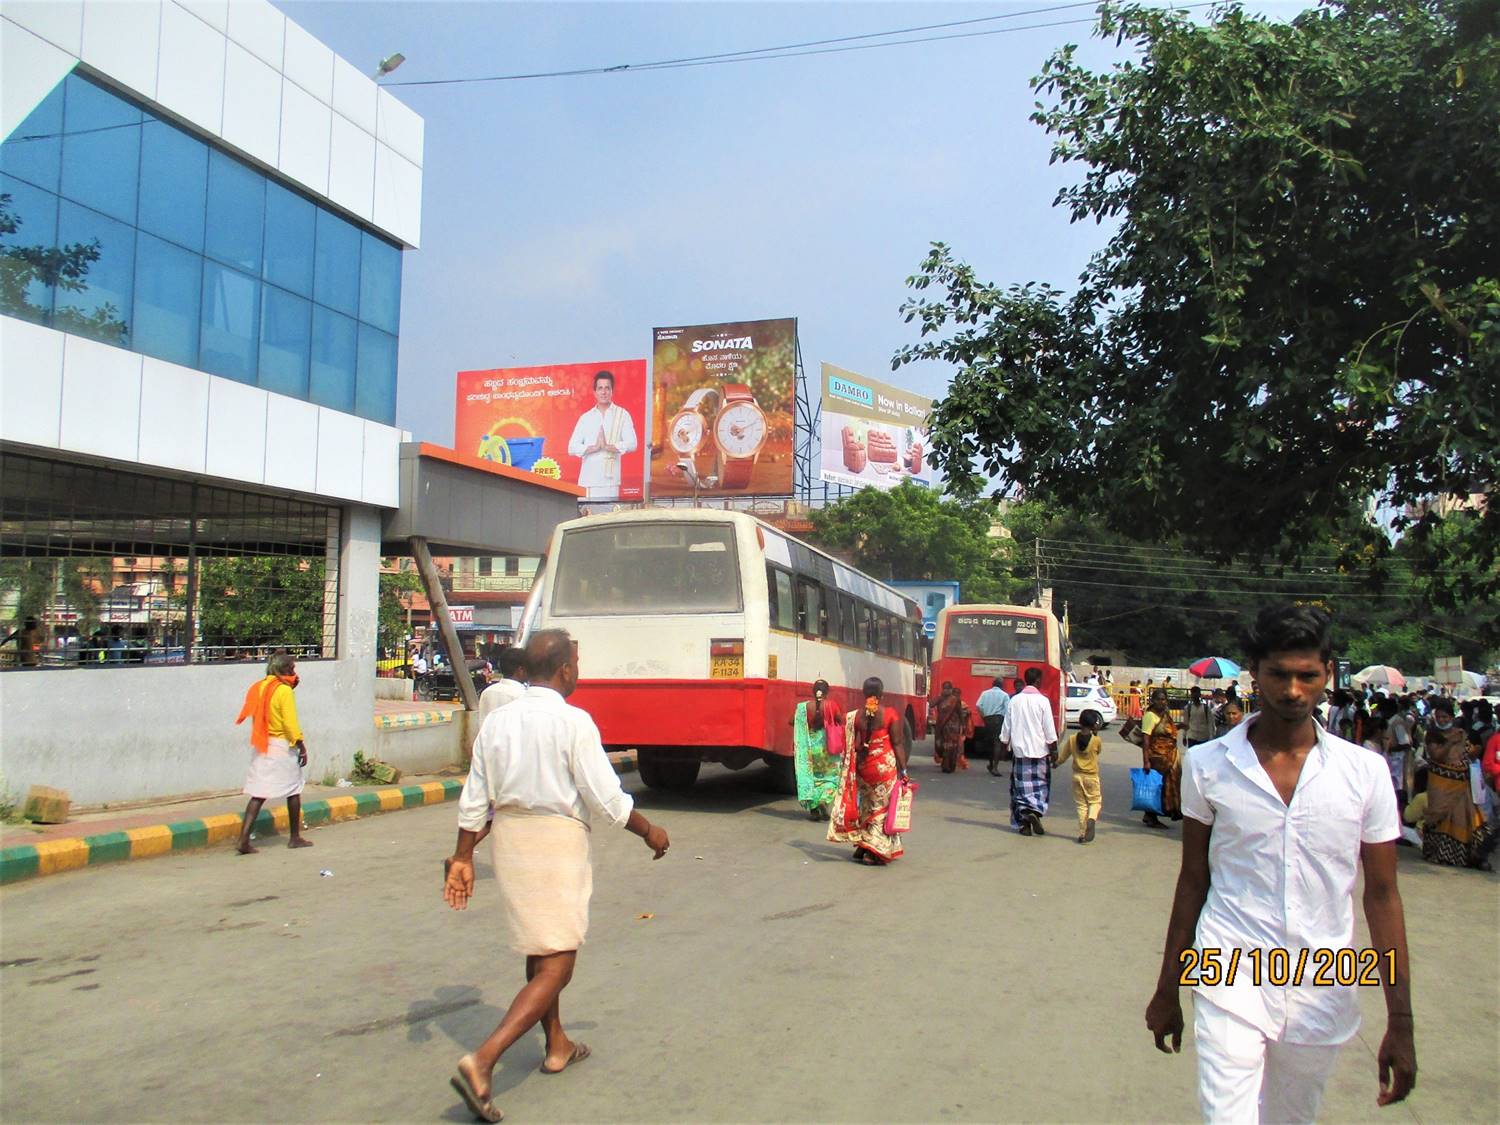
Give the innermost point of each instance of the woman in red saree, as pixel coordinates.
(874, 757)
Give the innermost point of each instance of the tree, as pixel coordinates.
(257, 600)
(1299, 308)
(911, 532)
(395, 587)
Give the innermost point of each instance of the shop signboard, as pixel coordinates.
(873, 434)
(582, 423)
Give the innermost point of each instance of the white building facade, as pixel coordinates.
(204, 213)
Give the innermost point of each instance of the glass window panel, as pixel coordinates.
(336, 283)
(645, 568)
(380, 284)
(98, 308)
(290, 222)
(375, 389)
(236, 213)
(334, 352)
(33, 152)
(24, 292)
(174, 183)
(168, 284)
(231, 313)
(285, 341)
(101, 149)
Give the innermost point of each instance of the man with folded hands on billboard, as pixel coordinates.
(602, 436)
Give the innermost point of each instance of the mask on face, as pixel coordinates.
(1440, 725)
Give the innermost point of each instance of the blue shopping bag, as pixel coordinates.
(1145, 791)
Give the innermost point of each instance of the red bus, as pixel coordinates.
(977, 643)
(699, 631)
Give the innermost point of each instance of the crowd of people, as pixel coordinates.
(1444, 761)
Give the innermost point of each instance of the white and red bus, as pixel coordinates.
(699, 631)
(977, 643)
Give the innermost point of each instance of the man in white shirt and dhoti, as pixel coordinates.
(602, 436)
(1279, 817)
(540, 764)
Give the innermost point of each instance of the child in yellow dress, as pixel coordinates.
(1084, 749)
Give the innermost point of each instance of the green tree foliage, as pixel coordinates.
(1299, 307)
(260, 599)
(915, 533)
(394, 588)
(34, 585)
(1163, 605)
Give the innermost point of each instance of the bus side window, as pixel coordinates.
(866, 627)
(771, 593)
(786, 602)
(831, 606)
(809, 608)
(850, 622)
(887, 634)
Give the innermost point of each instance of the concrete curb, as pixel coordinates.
(48, 857)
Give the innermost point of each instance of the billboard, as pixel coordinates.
(583, 423)
(721, 408)
(933, 597)
(873, 434)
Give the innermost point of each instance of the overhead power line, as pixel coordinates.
(1233, 576)
(836, 45)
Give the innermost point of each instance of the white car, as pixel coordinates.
(1085, 697)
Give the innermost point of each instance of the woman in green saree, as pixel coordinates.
(817, 739)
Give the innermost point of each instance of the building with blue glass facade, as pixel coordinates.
(203, 213)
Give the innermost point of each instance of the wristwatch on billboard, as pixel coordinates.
(688, 428)
(740, 434)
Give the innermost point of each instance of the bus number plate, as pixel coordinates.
(726, 667)
(993, 670)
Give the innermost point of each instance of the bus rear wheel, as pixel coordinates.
(662, 771)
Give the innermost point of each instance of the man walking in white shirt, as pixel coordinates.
(1279, 815)
(509, 687)
(1030, 734)
(601, 437)
(540, 764)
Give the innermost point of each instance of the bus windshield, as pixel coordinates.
(995, 637)
(632, 568)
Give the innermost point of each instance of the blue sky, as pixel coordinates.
(564, 218)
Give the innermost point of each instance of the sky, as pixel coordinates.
(564, 218)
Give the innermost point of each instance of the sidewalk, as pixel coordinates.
(107, 835)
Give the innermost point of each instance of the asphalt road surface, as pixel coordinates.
(755, 974)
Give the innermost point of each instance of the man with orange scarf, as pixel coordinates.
(278, 752)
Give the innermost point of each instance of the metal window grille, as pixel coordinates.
(125, 568)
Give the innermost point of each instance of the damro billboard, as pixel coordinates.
(721, 408)
(873, 434)
(583, 423)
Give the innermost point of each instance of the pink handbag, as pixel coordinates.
(898, 812)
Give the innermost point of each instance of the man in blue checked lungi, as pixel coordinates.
(1030, 734)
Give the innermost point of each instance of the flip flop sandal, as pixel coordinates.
(580, 1052)
(483, 1109)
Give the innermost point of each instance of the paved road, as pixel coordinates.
(985, 977)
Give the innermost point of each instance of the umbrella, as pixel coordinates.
(1380, 675)
(1214, 667)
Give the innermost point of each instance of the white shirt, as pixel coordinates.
(601, 469)
(543, 757)
(497, 695)
(1281, 876)
(419, 666)
(1029, 726)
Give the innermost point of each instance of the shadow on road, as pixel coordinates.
(718, 789)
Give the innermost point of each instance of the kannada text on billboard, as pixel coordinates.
(582, 423)
(722, 408)
(873, 434)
